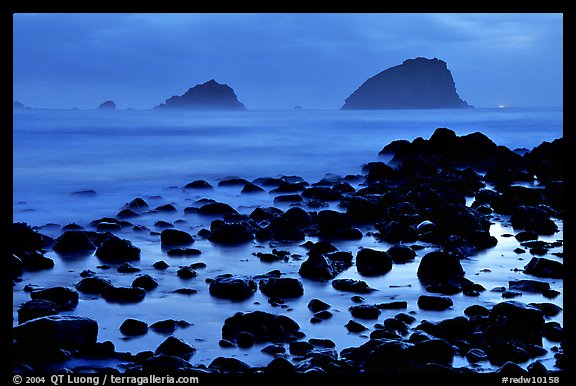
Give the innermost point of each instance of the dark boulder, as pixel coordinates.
(264, 214)
(123, 294)
(165, 364)
(36, 309)
(176, 347)
(186, 273)
(58, 331)
(434, 303)
(542, 267)
(251, 188)
(133, 327)
(93, 285)
(65, 298)
(231, 233)
(371, 262)
(283, 287)
(263, 326)
(72, 242)
(325, 266)
(431, 351)
(280, 229)
(439, 266)
(114, 250)
(216, 209)
(316, 305)
(175, 237)
(533, 218)
(198, 184)
(351, 285)
(232, 287)
(515, 320)
(229, 365)
(365, 311)
(145, 281)
(401, 253)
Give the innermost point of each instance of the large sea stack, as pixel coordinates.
(207, 96)
(415, 84)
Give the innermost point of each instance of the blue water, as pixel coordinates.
(122, 155)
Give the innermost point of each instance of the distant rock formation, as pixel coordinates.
(108, 105)
(18, 106)
(208, 96)
(419, 83)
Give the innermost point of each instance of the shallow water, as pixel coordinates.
(122, 155)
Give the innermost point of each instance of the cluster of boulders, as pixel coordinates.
(419, 197)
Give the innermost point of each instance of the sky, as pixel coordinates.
(279, 60)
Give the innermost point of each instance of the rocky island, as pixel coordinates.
(207, 96)
(418, 83)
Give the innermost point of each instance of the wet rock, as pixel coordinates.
(114, 250)
(390, 356)
(176, 347)
(526, 236)
(186, 273)
(25, 239)
(440, 266)
(365, 311)
(145, 281)
(282, 287)
(167, 208)
(73, 242)
(528, 286)
(434, 303)
(396, 232)
(280, 229)
(165, 364)
(160, 265)
(36, 309)
(175, 237)
(65, 298)
(542, 267)
(232, 287)
(371, 262)
(264, 214)
(533, 218)
(93, 285)
(133, 327)
(431, 351)
(300, 348)
(353, 326)
(288, 198)
(476, 310)
(316, 305)
(231, 233)
(185, 291)
(198, 184)
(454, 330)
(549, 309)
(229, 365)
(58, 331)
(251, 188)
(352, 285)
(401, 253)
(233, 181)
(123, 294)
(216, 209)
(245, 339)
(279, 365)
(393, 305)
(178, 252)
(298, 217)
(167, 326)
(34, 261)
(325, 266)
(127, 268)
(263, 326)
(516, 320)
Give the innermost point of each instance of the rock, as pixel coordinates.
(365, 311)
(533, 218)
(216, 209)
(316, 305)
(232, 287)
(264, 214)
(207, 96)
(401, 253)
(431, 351)
(251, 188)
(390, 356)
(245, 339)
(186, 273)
(123, 294)
(418, 83)
(280, 229)
(133, 327)
(167, 326)
(178, 252)
(198, 184)
(282, 287)
(529, 286)
(393, 305)
(351, 285)
(542, 267)
(371, 262)
(108, 105)
(58, 331)
(93, 285)
(161, 264)
(176, 347)
(231, 233)
(353, 326)
(73, 242)
(229, 365)
(279, 365)
(127, 268)
(434, 303)
(439, 266)
(325, 266)
(167, 208)
(36, 309)
(65, 298)
(516, 320)
(263, 326)
(165, 364)
(114, 249)
(145, 281)
(175, 237)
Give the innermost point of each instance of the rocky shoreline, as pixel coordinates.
(445, 191)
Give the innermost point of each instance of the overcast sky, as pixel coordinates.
(279, 60)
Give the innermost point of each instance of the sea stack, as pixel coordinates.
(207, 96)
(108, 105)
(418, 83)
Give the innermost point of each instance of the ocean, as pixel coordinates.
(121, 155)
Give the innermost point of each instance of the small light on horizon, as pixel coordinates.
(500, 106)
